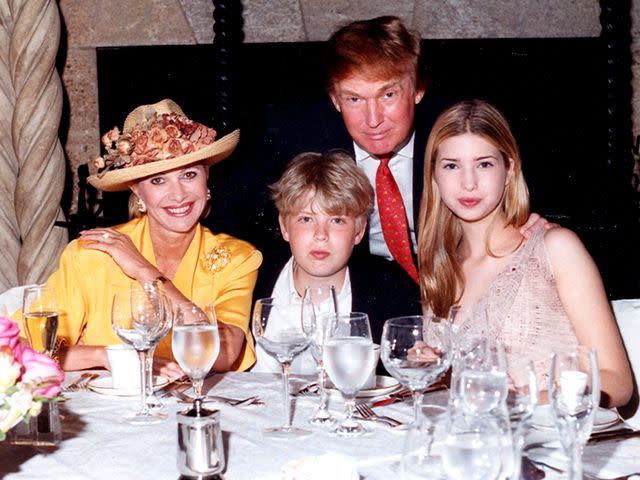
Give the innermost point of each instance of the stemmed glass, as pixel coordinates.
(277, 328)
(319, 309)
(418, 460)
(521, 400)
(195, 342)
(574, 394)
(483, 380)
(416, 351)
(40, 315)
(482, 389)
(348, 358)
(141, 316)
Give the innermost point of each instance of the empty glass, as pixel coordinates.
(277, 327)
(521, 400)
(318, 323)
(421, 456)
(141, 316)
(416, 351)
(574, 394)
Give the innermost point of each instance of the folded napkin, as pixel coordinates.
(322, 467)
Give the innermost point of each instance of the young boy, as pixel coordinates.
(323, 202)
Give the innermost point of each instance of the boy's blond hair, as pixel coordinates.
(332, 178)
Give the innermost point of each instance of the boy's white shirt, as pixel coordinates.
(284, 291)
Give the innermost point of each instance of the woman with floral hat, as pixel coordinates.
(163, 158)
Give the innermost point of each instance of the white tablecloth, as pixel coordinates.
(98, 445)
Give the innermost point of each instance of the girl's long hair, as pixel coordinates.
(439, 231)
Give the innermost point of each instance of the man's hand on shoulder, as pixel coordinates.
(535, 222)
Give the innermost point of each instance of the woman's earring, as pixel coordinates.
(142, 208)
(208, 194)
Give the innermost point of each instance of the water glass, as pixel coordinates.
(470, 447)
(348, 357)
(574, 394)
(483, 377)
(195, 342)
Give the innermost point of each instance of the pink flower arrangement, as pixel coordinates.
(27, 378)
(162, 137)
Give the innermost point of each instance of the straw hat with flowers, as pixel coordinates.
(154, 139)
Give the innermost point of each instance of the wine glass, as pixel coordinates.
(319, 309)
(40, 315)
(348, 357)
(574, 394)
(420, 460)
(195, 342)
(277, 327)
(141, 317)
(416, 350)
(521, 400)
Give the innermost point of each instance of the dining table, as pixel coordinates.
(97, 443)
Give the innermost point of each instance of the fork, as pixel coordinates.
(367, 413)
(234, 402)
(81, 383)
(308, 390)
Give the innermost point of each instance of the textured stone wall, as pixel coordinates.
(94, 23)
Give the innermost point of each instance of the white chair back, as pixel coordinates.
(627, 314)
(11, 300)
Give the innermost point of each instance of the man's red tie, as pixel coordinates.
(394, 218)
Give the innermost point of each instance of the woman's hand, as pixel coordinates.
(122, 250)
(422, 354)
(166, 368)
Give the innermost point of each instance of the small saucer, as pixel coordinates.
(102, 385)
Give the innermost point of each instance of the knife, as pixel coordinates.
(616, 434)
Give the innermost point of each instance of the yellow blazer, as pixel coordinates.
(87, 279)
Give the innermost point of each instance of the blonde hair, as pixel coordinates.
(332, 178)
(439, 230)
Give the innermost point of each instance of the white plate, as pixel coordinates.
(383, 386)
(103, 386)
(542, 418)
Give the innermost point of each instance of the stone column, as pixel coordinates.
(32, 163)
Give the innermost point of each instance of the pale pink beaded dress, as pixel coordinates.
(523, 309)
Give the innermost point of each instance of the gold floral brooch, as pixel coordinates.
(216, 259)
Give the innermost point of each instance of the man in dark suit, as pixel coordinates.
(373, 82)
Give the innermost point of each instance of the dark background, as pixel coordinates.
(552, 91)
